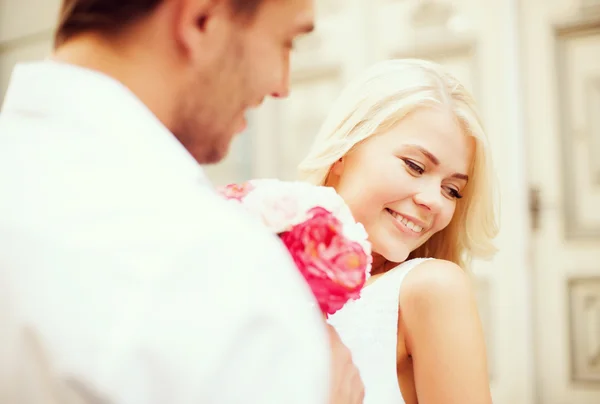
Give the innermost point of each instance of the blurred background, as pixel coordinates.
(534, 67)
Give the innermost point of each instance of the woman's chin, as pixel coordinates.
(397, 253)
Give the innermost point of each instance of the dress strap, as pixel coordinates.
(369, 327)
(390, 281)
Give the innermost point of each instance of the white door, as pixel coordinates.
(476, 41)
(561, 42)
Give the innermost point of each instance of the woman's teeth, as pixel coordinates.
(412, 226)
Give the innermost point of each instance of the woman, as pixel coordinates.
(405, 148)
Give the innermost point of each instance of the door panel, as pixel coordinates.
(562, 71)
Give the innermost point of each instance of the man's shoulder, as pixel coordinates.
(220, 217)
(220, 226)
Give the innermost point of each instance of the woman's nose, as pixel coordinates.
(430, 198)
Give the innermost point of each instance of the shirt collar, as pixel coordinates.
(88, 99)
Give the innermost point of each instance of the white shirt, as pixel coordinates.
(135, 281)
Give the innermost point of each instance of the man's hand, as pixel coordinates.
(346, 385)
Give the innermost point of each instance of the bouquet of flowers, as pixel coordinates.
(328, 246)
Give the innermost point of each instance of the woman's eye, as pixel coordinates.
(453, 193)
(414, 167)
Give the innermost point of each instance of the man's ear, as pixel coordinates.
(202, 26)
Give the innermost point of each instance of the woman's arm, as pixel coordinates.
(443, 335)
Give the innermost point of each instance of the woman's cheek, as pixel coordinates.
(445, 218)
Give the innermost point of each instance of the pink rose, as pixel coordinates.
(334, 267)
(236, 191)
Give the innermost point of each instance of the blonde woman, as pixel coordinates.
(404, 146)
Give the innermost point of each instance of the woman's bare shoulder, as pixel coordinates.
(439, 323)
(435, 286)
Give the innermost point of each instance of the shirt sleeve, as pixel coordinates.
(235, 323)
(276, 349)
(277, 353)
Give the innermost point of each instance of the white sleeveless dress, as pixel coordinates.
(369, 328)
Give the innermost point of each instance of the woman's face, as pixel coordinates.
(403, 185)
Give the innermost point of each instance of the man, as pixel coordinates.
(129, 280)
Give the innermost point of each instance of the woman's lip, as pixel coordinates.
(412, 219)
(403, 228)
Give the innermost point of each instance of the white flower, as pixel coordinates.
(284, 204)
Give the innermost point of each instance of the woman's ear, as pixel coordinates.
(338, 167)
(333, 176)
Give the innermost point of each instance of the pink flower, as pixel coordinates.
(236, 191)
(334, 266)
(328, 246)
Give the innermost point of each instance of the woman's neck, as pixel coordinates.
(381, 265)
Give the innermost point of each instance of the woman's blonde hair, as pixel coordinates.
(375, 102)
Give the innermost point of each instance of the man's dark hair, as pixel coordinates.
(111, 16)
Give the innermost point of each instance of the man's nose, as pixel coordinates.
(281, 94)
